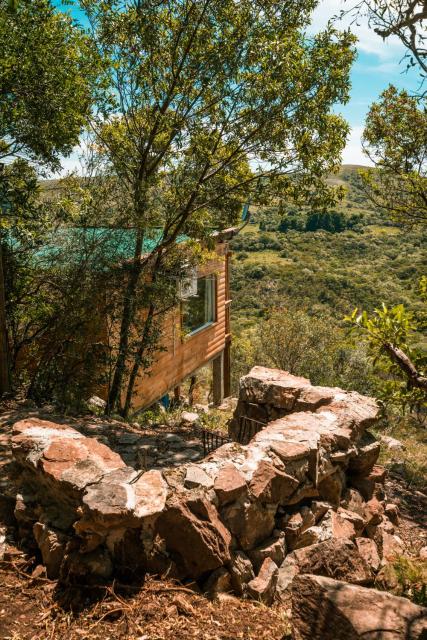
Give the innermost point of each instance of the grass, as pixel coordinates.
(411, 463)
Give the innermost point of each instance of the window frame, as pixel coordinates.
(214, 279)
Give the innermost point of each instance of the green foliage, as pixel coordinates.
(392, 338)
(310, 345)
(395, 139)
(412, 577)
(46, 80)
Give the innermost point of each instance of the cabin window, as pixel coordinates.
(198, 311)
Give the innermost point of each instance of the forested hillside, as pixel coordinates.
(281, 264)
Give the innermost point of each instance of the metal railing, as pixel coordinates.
(248, 427)
(212, 440)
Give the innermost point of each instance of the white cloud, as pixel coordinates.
(353, 153)
(368, 41)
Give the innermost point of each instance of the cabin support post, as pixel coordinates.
(227, 369)
(218, 379)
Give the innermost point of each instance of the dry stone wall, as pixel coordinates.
(304, 496)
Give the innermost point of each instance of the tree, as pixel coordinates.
(395, 139)
(402, 18)
(46, 79)
(393, 337)
(205, 101)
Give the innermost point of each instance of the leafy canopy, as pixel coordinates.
(46, 80)
(395, 138)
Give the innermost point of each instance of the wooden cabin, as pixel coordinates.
(196, 333)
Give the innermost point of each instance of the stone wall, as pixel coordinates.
(304, 496)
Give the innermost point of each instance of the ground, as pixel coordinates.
(34, 608)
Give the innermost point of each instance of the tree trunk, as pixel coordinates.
(415, 379)
(4, 346)
(137, 361)
(126, 326)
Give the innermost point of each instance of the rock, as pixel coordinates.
(391, 443)
(334, 558)
(128, 438)
(367, 452)
(422, 554)
(392, 513)
(196, 477)
(190, 527)
(325, 609)
(271, 386)
(274, 548)
(218, 582)
(250, 522)
(3, 532)
(369, 552)
(229, 484)
(331, 487)
(319, 509)
(295, 525)
(353, 501)
(63, 460)
(263, 587)
(287, 572)
(52, 547)
(268, 484)
(241, 572)
(341, 525)
(89, 567)
(388, 580)
(189, 418)
(122, 498)
(95, 404)
(373, 513)
(371, 486)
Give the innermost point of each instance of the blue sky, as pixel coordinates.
(378, 64)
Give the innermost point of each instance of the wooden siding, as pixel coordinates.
(184, 355)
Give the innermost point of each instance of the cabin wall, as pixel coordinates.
(185, 354)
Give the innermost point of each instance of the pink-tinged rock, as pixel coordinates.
(365, 456)
(353, 501)
(334, 558)
(61, 454)
(311, 398)
(325, 609)
(229, 484)
(371, 486)
(291, 451)
(269, 484)
(352, 412)
(250, 522)
(271, 386)
(218, 582)
(191, 528)
(392, 513)
(242, 572)
(52, 545)
(347, 524)
(331, 487)
(368, 550)
(123, 498)
(273, 548)
(263, 587)
(373, 512)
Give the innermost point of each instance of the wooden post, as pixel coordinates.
(177, 393)
(218, 379)
(4, 350)
(227, 369)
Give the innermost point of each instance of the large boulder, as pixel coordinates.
(326, 609)
(192, 531)
(334, 558)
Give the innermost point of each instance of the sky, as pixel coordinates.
(378, 64)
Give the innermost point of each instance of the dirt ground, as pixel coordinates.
(35, 609)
